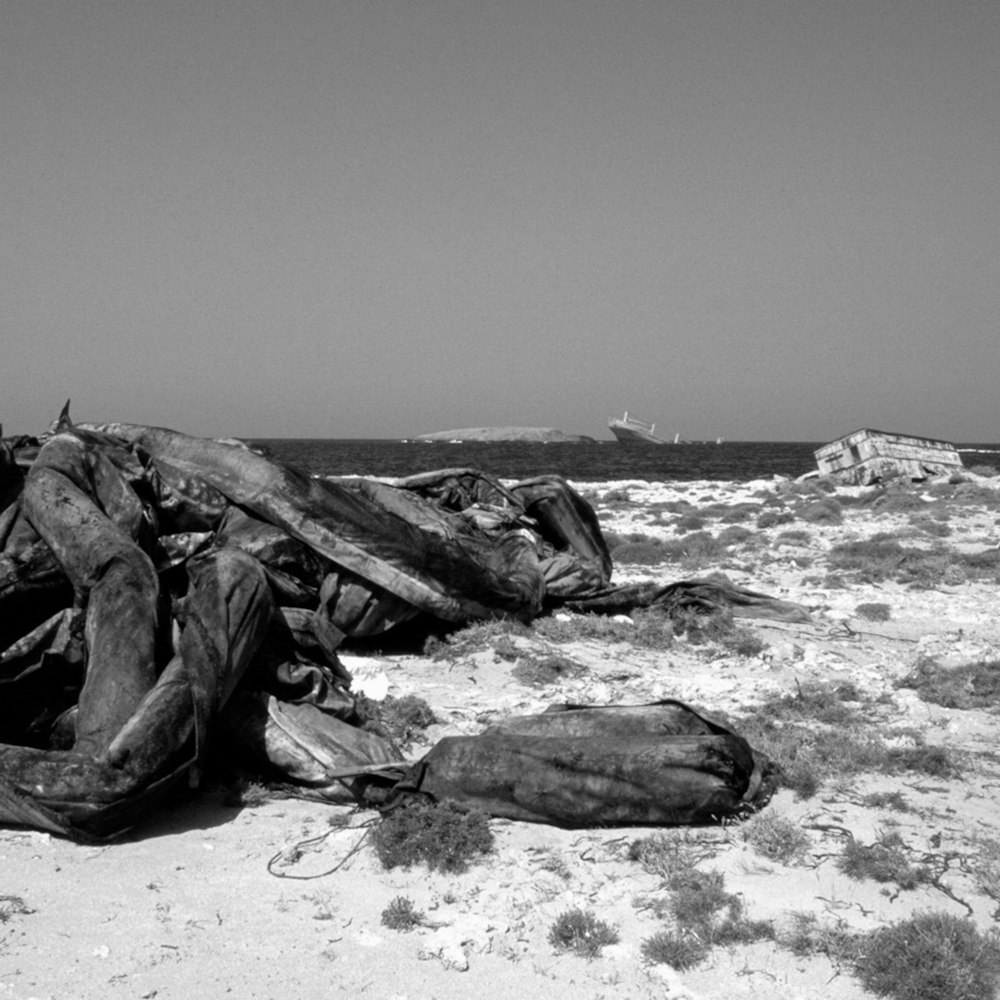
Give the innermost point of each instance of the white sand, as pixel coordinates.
(188, 907)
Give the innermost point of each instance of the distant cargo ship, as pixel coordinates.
(628, 430)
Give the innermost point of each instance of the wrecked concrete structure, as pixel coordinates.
(868, 456)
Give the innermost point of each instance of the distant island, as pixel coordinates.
(545, 435)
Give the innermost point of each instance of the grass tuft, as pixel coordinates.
(975, 685)
(873, 612)
(679, 951)
(580, 932)
(776, 838)
(932, 956)
(400, 915)
(398, 720)
(883, 861)
(537, 671)
(441, 836)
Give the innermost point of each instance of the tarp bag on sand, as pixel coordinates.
(575, 766)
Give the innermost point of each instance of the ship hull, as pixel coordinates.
(626, 434)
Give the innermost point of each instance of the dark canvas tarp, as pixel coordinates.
(576, 766)
(151, 582)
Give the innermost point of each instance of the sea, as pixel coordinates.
(597, 461)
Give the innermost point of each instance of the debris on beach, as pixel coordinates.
(161, 595)
(866, 456)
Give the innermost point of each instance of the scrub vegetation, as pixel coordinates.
(441, 836)
(826, 731)
(972, 686)
(401, 915)
(581, 932)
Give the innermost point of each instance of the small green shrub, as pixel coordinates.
(774, 518)
(743, 641)
(505, 649)
(929, 526)
(398, 720)
(476, 637)
(679, 951)
(874, 559)
(695, 549)
(697, 897)
(776, 838)
(794, 536)
(883, 861)
(580, 932)
(883, 558)
(807, 935)
(440, 835)
(647, 552)
(932, 956)
(654, 628)
(812, 487)
(537, 671)
(886, 800)
(873, 612)
(822, 732)
(827, 511)
(671, 506)
(669, 855)
(400, 915)
(582, 628)
(617, 496)
(985, 866)
(735, 534)
(689, 522)
(699, 627)
(899, 502)
(247, 792)
(923, 758)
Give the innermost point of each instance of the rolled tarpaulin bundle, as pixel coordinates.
(94, 797)
(589, 771)
(88, 516)
(660, 718)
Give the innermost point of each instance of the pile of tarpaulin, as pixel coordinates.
(161, 593)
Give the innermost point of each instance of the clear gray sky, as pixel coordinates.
(761, 219)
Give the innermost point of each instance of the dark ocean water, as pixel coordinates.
(593, 462)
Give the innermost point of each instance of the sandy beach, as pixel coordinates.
(285, 898)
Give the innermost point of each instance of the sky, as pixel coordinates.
(755, 219)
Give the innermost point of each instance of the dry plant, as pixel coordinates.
(400, 721)
(703, 915)
(830, 731)
(440, 835)
(670, 854)
(401, 915)
(974, 685)
(537, 671)
(883, 861)
(477, 637)
(882, 557)
(932, 956)
(873, 612)
(985, 867)
(580, 932)
(829, 511)
(774, 518)
(648, 628)
(776, 838)
(808, 935)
